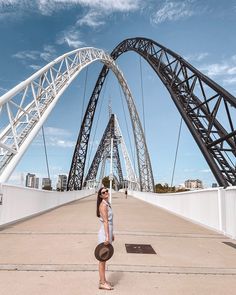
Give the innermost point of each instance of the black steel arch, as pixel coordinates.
(199, 100)
(103, 150)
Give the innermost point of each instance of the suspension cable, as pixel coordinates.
(45, 151)
(141, 82)
(176, 151)
(96, 125)
(126, 123)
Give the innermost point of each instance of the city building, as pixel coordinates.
(46, 184)
(31, 181)
(193, 184)
(62, 183)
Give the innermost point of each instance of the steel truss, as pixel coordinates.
(24, 109)
(131, 176)
(207, 109)
(76, 174)
(104, 150)
(201, 102)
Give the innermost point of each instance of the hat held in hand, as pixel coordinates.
(103, 252)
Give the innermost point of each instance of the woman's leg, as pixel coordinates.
(102, 266)
(103, 284)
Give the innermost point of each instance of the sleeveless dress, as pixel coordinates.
(101, 233)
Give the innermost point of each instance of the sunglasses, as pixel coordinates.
(106, 191)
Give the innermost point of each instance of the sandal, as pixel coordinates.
(109, 283)
(105, 286)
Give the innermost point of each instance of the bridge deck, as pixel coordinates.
(53, 253)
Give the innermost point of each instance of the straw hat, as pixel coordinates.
(103, 252)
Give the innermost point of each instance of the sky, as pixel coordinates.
(33, 33)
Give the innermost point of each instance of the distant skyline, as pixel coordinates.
(33, 33)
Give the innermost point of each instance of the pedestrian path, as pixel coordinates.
(53, 253)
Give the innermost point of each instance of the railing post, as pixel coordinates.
(221, 209)
(1, 194)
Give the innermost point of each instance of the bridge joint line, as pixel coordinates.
(171, 270)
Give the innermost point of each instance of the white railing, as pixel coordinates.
(21, 202)
(212, 208)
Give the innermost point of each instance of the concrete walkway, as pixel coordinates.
(53, 253)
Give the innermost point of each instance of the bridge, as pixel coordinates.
(52, 253)
(208, 111)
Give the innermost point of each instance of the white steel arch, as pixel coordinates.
(131, 176)
(24, 109)
(130, 173)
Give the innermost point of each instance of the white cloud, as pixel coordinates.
(57, 131)
(224, 71)
(12, 9)
(91, 19)
(229, 81)
(94, 17)
(205, 171)
(111, 5)
(56, 137)
(196, 57)
(6, 4)
(35, 67)
(234, 58)
(94, 14)
(48, 54)
(53, 141)
(215, 69)
(48, 7)
(71, 37)
(172, 11)
(27, 54)
(232, 71)
(225, 67)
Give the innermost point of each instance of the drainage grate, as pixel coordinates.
(230, 244)
(139, 249)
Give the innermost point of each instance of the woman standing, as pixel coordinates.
(105, 234)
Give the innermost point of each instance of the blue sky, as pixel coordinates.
(35, 32)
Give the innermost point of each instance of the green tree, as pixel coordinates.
(159, 188)
(106, 182)
(47, 187)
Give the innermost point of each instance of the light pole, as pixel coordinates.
(111, 172)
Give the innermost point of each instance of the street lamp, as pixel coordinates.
(111, 172)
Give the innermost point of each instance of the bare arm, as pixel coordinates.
(104, 214)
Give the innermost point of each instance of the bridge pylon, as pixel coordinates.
(103, 153)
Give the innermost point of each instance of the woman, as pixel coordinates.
(105, 234)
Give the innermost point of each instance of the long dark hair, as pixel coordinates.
(99, 200)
